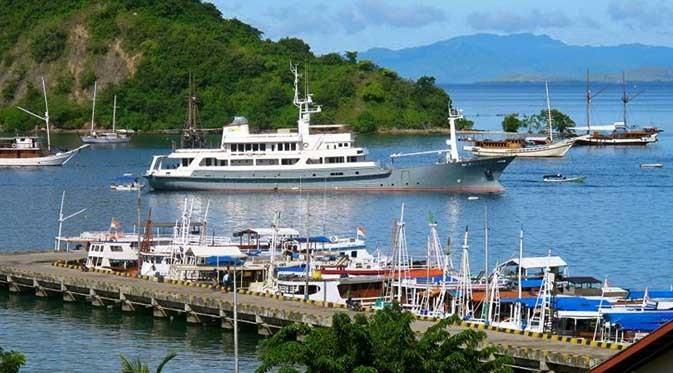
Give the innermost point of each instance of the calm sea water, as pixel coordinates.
(617, 224)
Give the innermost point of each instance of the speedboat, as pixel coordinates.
(127, 182)
(559, 178)
(651, 165)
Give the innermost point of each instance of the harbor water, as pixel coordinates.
(615, 225)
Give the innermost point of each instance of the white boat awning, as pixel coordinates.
(208, 251)
(537, 262)
(604, 127)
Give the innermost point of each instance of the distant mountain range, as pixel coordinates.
(524, 57)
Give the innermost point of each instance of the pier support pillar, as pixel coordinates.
(190, 316)
(158, 311)
(13, 287)
(126, 305)
(263, 328)
(96, 301)
(69, 297)
(227, 324)
(40, 292)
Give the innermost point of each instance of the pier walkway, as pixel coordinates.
(35, 273)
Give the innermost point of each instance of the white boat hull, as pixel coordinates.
(58, 159)
(105, 140)
(558, 149)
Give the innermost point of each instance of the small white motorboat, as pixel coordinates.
(651, 165)
(127, 182)
(558, 178)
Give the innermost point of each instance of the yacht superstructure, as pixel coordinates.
(315, 158)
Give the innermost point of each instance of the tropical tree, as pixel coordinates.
(511, 123)
(464, 124)
(137, 366)
(11, 361)
(539, 122)
(384, 342)
(560, 121)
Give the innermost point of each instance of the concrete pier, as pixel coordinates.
(37, 274)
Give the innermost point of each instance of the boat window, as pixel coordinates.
(209, 162)
(341, 145)
(116, 249)
(273, 147)
(255, 147)
(334, 160)
(186, 161)
(262, 147)
(223, 162)
(354, 254)
(293, 146)
(289, 161)
(241, 162)
(336, 174)
(248, 147)
(314, 161)
(267, 162)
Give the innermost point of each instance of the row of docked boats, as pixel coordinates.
(532, 293)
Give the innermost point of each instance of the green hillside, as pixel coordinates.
(143, 51)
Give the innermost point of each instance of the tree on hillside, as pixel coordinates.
(464, 124)
(11, 361)
(352, 56)
(384, 342)
(540, 122)
(511, 123)
(560, 121)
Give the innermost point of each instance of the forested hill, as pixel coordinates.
(143, 51)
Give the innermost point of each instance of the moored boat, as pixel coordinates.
(111, 137)
(315, 158)
(559, 178)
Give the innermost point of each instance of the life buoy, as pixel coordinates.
(333, 239)
(305, 145)
(13, 145)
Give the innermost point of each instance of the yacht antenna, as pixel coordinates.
(93, 108)
(45, 118)
(61, 219)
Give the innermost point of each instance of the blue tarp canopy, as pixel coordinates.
(563, 303)
(297, 268)
(643, 321)
(531, 283)
(318, 239)
(654, 294)
(224, 260)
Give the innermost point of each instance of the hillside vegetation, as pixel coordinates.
(143, 51)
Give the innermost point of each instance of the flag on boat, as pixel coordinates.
(361, 232)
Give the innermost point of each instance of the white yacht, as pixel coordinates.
(316, 158)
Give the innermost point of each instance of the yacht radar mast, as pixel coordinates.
(303, 104)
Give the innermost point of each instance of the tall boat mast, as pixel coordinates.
(589, 96)
(304, 104)
(192, 136)
(114, 114)
(626, 98)
(551, 135)
(45, 118)
(93, 107)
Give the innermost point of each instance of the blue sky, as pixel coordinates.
(340, 25)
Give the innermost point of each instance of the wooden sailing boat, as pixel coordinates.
(113, 137)
(28, 151)
(192, 135)
(521, 148)
(619, 133)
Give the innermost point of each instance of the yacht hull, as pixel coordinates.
(470, 176)
(58, 159)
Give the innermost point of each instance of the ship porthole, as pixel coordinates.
(489, 174)
(459, 181)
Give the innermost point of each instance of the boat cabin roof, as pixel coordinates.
(537, 262)
(577, 280)
(267, 232)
